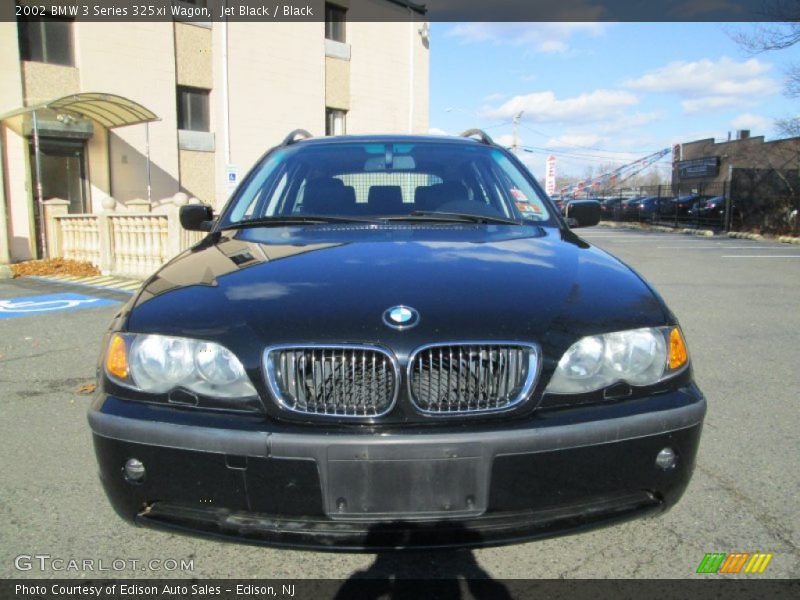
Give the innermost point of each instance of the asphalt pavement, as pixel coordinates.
(738, 302)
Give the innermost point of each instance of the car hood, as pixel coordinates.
(328, 284)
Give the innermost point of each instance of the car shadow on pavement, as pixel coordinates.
(397, 574)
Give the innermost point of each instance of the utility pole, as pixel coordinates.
(515, 122)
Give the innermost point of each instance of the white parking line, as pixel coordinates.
(606, 237)
(631, 241)
(760, 256)
(698, 247)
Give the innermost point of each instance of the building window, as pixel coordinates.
(334, 121)
(46, 41)
(334, 22)
(193, 113)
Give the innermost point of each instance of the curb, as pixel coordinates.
(659, 228)
(788, 239)
(745, 236)
(784, 239)
(700, 232)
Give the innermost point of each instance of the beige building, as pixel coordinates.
(126, 115)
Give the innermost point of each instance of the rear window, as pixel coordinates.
(383, 179)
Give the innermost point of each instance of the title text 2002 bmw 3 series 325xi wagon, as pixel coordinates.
(389, 342)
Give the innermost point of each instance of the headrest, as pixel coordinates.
(385, 198)
(325, 196)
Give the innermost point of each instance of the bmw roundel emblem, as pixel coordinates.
(401, 317)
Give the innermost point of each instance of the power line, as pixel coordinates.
(497, 125)
(543, 134)
(581, 155)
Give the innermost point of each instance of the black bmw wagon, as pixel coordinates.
(393, 342)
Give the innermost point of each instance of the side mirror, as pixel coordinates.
(582, 213)
(196, 217)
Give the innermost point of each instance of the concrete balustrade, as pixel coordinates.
(133, 243)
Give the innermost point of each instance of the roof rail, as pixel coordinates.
(292, 137)
(480, 133)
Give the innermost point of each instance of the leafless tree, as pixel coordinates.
(788, 127)
(779, 27)
(780, 31)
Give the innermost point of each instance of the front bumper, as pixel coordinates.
(342, 490)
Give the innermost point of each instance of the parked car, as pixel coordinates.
(677, 207)
(390, 342)
(645, 209)
(628, 209)
(608, 208)
(709, 210)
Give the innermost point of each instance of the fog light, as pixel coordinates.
(134, 470)
(665, 459)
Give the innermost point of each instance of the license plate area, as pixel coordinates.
(421, 481)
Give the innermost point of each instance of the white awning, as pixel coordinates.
(108, 110)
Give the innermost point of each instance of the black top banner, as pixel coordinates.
(206, 11)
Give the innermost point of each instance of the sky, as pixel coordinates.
(600, 93)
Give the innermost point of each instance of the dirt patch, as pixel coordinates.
(55, 266)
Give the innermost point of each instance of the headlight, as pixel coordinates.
(638, 357)
(157, 364)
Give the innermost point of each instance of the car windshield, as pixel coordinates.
(340, 180)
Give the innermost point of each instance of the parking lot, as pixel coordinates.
(738, 302)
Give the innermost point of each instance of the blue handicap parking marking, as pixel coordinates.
(29, 306)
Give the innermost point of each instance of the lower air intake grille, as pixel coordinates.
(335, 381)
(471, 378)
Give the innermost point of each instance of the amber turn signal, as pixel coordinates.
(117, 357)
(677, 350)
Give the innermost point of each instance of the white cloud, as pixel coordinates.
(571, 140)
(702, 77)
(712, 103)
(541, 37)
(751, 121)
(541, 107)
(625, 122)
(494, 97)
(437, 131)
(706, 84)
(591, 129)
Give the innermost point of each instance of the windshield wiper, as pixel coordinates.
(279, 220)
(450, 217)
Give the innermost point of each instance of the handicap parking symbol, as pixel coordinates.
(29, 306)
